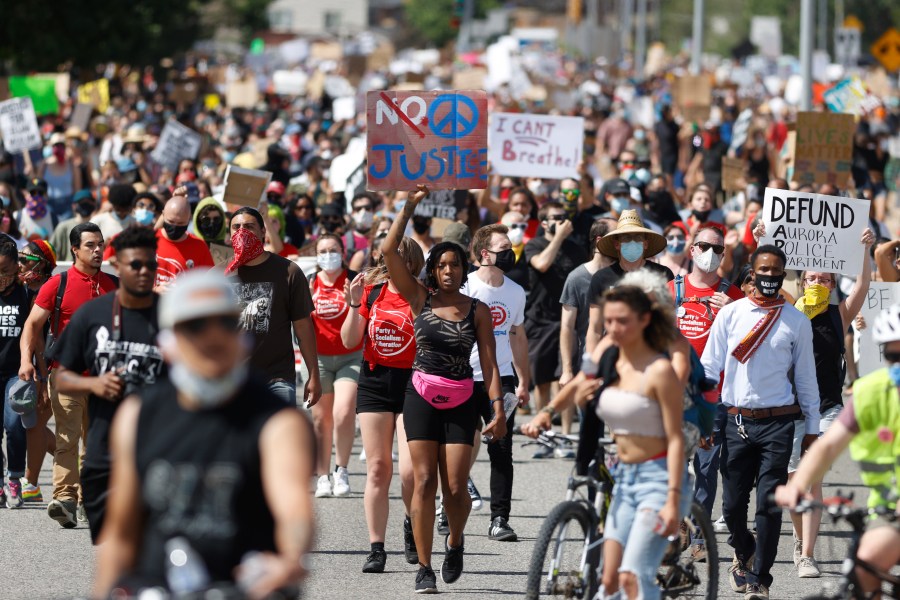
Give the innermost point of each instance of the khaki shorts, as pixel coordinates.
(337, 367)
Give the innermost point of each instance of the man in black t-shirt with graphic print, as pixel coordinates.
(113, 339)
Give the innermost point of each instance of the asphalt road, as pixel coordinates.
(39, 560)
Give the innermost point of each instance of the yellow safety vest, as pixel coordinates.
(876, 405)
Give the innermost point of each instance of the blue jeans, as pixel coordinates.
(640, 492)
(706, 465)
(15, 436)
(285, 390)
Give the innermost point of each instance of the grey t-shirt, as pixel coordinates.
(577, 293)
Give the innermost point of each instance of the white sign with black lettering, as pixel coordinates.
(18, 125)
(816, 232)
(177, 142)
(880, 296)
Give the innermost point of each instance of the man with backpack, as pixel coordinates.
(698, 299)
(56, 302)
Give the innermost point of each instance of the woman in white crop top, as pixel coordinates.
(644, 410)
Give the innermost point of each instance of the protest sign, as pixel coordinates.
(732, 173)
(436, 138)
(520, 145)
(442, 204)
(176, 143)
(289, 83)
(41, 91)
(95, 93)
(851, 96)
(325, 50)
(470, 79)
(343, 108)
(741, 129)
(184, 92)
(61, 84)
(245, 187)
(18, 125)
(816, 232)
(824, 148)
(692, 94)
(81, 116)
(242, 94)
(880, 296)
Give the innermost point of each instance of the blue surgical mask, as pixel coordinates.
(141, 106)
(4, 200)
(619, 205)
(632, 251)
(675, 246)
(143, 216)
(894, 373)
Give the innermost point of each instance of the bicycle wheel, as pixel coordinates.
(684, 572)
(566, 555)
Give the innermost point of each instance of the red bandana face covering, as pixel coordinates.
(246, 247)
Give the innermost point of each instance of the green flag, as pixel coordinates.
(41, 91)
(257, 46)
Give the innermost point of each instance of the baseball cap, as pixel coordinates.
(276, 187)
(459, 234)
(23, 400)
(197, 294)
(618, 187)
(83, 195)
(36, 185)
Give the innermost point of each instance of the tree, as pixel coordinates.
(434, 20)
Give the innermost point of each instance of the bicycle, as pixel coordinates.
(848, 588)
(575, 530)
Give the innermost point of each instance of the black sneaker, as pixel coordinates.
(443, 525)
(409, 543)
(375, 562)
(426, 582)
(63, 512)
(453, 561)
(500, 531)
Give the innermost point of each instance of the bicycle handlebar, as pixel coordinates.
(840, 507)
(552, 438)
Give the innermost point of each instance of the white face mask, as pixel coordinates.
(208, 393)
(329, 261)
(363, 219)
(709, 261)
(516, 236)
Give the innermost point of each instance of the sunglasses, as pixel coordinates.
(675, 238)
(24, 259)
(303, 207)
(575, 192)
(362, 207)
(225, 322)
(704, 246)
(522, 226)
(332, 220)
(137, 265)
(557, 218)
(892, 357)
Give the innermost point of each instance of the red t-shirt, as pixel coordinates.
(288, 250)
(390, 338)
(329, 312)
(694, 321)
(176, 257)
(80, 288)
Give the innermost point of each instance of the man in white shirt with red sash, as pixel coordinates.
(755, 342)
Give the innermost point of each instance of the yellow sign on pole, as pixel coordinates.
(887, 50)
(852, 22)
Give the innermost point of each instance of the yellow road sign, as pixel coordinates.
(887, 50)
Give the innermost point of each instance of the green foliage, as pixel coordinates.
(432, 20)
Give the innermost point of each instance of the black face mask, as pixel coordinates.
(330, 226)
(658, 199)
(768, 285)
(174, 232)
(421, 227)
(210, 228)
(701, 215)
(83, 209)
(552, 228)
(504, 260)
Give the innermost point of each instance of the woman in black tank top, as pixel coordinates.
(447, 324)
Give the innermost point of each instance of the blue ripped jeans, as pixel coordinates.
(639, 495)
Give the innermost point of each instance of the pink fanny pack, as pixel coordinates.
(441, 392)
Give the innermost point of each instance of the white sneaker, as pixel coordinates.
(323, 487)
(341, 483)
(720, 526)
(477, 502)
(807, 567)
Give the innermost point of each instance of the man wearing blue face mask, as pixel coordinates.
(630, 244)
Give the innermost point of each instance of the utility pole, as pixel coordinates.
(823, 26)
(626, 11)
(697, 38)
(640, 46)
(807, 16)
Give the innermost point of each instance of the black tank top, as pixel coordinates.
(827, 344)
(200, 478)
(444, 347)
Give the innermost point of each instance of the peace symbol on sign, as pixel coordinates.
(455, 123)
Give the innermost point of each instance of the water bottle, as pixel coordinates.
(588, 366)
(185, 571)
(253, 568)
(510, 402)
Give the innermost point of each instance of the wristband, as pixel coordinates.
(676, 490)
(351, 305)
(549, 410)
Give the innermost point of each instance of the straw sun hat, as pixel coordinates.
(630, 222)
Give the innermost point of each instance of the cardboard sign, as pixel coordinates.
(816, 232)
(824, 148)
(242, 94)
(470, 79)
(437, 138)
(19, 126)
(95, 93)
(184, 92)
(520, 145)
(245, 187)
(732, 173)
(324, 50)
(176, 143)
(880, 296)
(692, 95)
(81, 116)
(221, 254)
(442, 204)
